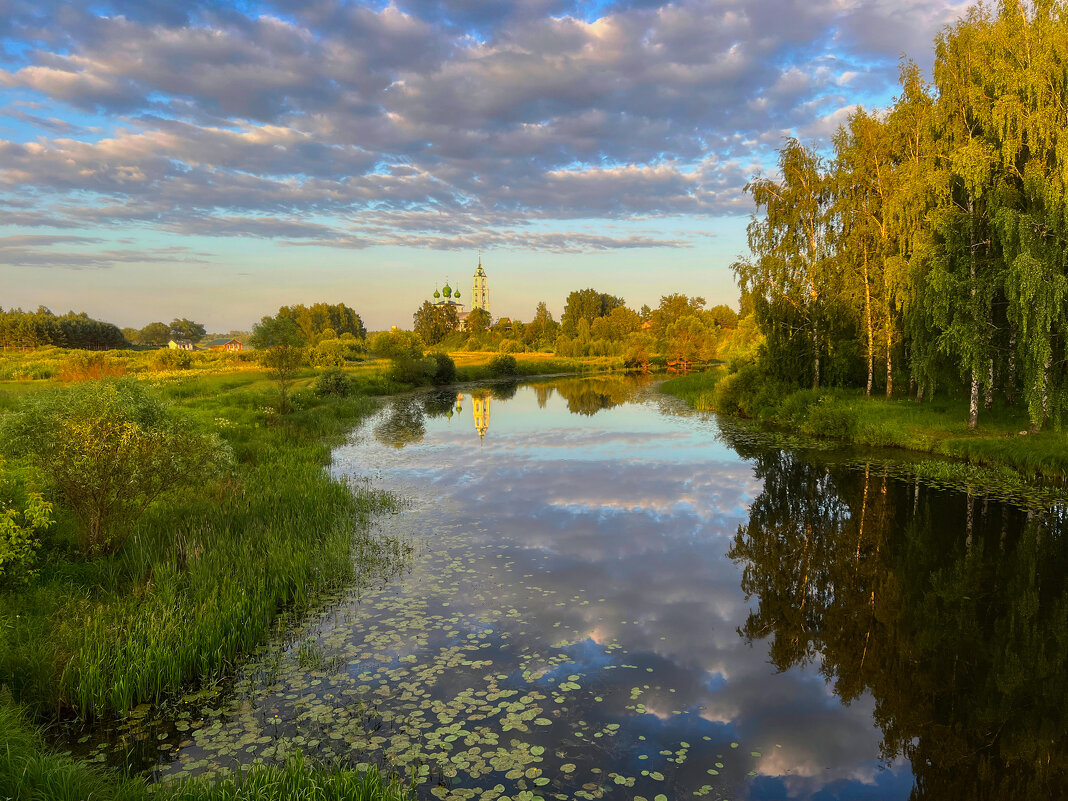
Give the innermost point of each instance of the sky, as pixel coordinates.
(217, 160)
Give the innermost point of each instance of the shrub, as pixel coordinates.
(112, 449)
(795, 406)
(329, 353)
(334, 382)
(20, 527)
(503, 364)
(172, 359)
(442, 368)
(830, 419)
(510, 346)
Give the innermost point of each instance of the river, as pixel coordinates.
(613, 596)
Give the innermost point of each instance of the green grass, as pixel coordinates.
(939, 428)
(29, 771)
(204, 576)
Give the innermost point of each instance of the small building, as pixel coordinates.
(181, 344)
(225, 344)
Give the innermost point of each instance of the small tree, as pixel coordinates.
(186, 329)
(405, 350)
(111, 449)
(434, 323)
(282, 343)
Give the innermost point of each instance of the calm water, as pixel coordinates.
(613, 597)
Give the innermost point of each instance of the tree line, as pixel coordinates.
(930, 248)
(25, 330)
(596, 323)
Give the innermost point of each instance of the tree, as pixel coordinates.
(588, 305)
(158, 334)
(478, 321)
(964, 262)
(434, 323)
(186, 329)
(405, 350)
(792, 270)
(112, 449)
(724, 316)
(282, 343)
(325, 321)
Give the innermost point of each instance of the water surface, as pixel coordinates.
(614, 597)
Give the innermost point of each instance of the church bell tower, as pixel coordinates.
(479, 288)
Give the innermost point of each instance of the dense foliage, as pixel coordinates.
(933, 240)
(19, 329)
(325, 321)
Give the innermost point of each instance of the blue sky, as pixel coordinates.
(216, 160)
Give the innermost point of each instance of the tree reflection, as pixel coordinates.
(403, 424)
(950, 611)
(587, 396)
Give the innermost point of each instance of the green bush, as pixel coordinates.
(503, 364)
(334, 382)
(172, 359)
(442, 368)
(111, 449)
(829, 418)
(21, 523)
(328, 353)
(510, 346)
(794, 407)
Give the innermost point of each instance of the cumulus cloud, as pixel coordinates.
(440, 123)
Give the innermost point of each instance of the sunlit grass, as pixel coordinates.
(937, 427)
(204, 576)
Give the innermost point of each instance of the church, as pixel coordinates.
(447, 296)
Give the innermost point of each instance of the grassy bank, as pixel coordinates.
(203, 579)
(938, 427)
(475, 366)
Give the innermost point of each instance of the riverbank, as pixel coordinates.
(203, 579)
(938, 428)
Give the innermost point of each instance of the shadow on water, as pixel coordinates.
(949, 609)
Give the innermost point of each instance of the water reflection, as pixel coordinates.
(570, 627)
(950, 611)
(404, 423)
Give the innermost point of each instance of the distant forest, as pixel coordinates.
(931, 249)
(23, 330)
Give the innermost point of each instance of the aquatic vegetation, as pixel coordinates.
(30, 772)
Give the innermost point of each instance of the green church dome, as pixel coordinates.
(447, 291)
(437, 294)
(456, 294)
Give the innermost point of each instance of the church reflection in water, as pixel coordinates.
(480, 400)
